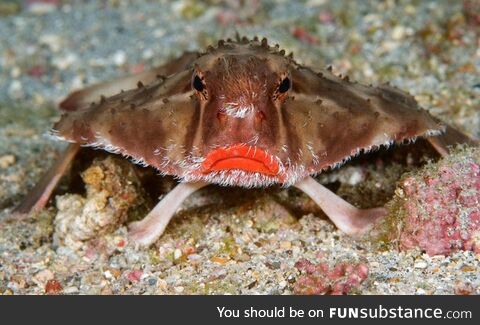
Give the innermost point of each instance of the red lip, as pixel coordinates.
(243, 157)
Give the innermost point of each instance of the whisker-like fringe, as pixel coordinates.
(289, 173)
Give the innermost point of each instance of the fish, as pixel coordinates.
(241, 113)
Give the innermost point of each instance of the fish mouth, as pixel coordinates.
(241, 157)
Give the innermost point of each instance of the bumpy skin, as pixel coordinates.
(236, 96)
(89, 95)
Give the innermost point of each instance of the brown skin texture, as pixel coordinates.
(85, 97)
(318, 120)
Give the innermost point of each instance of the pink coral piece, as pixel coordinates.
(443, 213)
(321, 279)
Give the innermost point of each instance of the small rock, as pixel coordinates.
(63, 62)
(17, 282)
(148, 54)
(70, 290)
(43, 276)
(119, 58)
(323, 279)
(15, 72)
(463, 288)
(43, 7)
(398, 33)
(420, 264)
(134, 276)
(112, 191)
(356, 176)
(15, 90)
(53, 287)
(162, 284)
(152, 281)
(179, 289)
(219, 260)
(242, 257)
(6, 161)
(108, 274)
(286, 244)
(194, 257)
(177, 254)
(53, 41)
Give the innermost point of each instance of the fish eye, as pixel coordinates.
(284, 85)
(198, 84)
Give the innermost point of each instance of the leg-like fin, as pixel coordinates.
(148, 230)
(347, 218)
(38, 197)
(450, 138)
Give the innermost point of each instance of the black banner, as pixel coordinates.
(239, 309)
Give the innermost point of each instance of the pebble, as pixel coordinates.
(179, 289)
(356, 176)
(70, 290)
(398, 33)
(420, 265)
(177, 254)
(42, 8)
(147, 54)
(53, 41)
(63, 62)
(108, 274)
(285, 244)
(162, 284)
(7, 161)
(43, 276)
(194, 257)
(15, 72)
(219, 260)
(53, 287)
(152, 281)
(16, 89)
(119, 58)
(374, 264)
